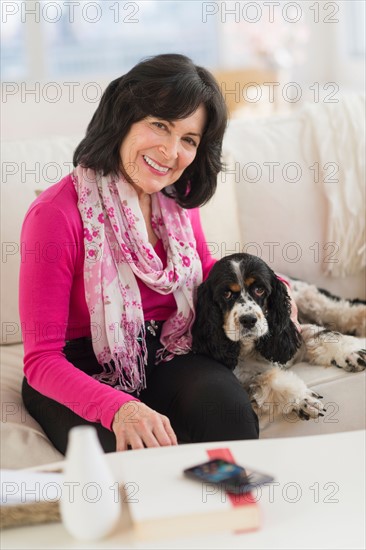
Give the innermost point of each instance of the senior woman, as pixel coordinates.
(107, 321)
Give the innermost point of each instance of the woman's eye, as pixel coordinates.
(259, 291)
(191, 141)
(159, 125)
(227, 294)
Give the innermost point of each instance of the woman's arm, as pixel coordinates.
(50, 247)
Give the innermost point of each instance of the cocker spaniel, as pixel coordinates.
(243, 320)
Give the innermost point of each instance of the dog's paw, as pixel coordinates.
(349, 357)
(309, 405)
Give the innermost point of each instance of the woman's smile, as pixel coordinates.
(155, 166)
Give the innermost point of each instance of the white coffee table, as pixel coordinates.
(319, 501)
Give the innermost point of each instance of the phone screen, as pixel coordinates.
(218, 470)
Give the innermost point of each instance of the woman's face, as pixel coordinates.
(155, 152)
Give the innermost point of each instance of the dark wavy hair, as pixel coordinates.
(167, 86)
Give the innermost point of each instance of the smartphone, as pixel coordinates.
(228, 475)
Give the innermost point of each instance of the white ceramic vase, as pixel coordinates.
(90, 505)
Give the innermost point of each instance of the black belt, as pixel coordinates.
(151, 327)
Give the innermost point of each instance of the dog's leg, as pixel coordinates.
(322, 308)
(325, 347)
(284, 391)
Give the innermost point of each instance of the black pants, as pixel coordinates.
(202, 398)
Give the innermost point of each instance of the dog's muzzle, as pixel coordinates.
(248, 321)
(252, 326)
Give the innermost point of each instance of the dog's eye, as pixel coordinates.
(259, 291)
(227, 294)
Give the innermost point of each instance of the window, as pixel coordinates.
(355, 28)
(13, 50)
(101, 37)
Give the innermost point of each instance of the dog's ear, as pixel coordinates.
(208, 336)
(282, 339)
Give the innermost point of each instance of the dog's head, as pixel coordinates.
(244, 306)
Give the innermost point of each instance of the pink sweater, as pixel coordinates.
(53, 308)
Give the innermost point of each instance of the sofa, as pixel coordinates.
(262, 206)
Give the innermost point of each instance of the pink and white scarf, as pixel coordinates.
(117, 250)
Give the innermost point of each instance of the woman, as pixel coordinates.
(107, 319)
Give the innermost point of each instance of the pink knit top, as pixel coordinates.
(53, 308)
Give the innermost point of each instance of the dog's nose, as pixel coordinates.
(248, 321)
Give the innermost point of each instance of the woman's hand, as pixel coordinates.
(138, 426)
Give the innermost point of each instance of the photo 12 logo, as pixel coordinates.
(52, 12)
(52, 92)
(271, 12)
(273, 92)
(290, 492)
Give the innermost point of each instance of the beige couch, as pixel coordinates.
(283, 221)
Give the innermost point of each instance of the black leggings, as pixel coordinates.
(202, 398)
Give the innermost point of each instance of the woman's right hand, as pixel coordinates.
(138, 426)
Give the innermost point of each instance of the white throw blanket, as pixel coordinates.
(339, 131)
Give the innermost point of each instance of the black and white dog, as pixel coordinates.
(243, 320)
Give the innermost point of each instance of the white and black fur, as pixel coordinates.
(243, 320)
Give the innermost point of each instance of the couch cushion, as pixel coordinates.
(343, 397)
(23, 442)
(220, 216)
(282, 204)
(27, 167)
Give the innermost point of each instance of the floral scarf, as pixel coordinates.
(117, 250)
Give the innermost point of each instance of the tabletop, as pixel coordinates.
(317, 501)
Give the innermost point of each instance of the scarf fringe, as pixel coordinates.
(121, 372)
(181, 347)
